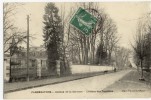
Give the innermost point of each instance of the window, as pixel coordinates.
(7, 68)
(7, 74)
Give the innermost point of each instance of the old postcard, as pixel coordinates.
(77, 50)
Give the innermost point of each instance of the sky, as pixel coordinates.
(124, 14)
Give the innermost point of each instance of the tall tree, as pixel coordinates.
(107, 41)
(90, 49)
(142, 44)
(9, 30)
(86, 45)
(122, 57)
(53, 31)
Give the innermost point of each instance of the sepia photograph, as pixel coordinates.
(76, 50)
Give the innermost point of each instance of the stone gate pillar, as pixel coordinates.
(58, 66)
(70, 64)
(39, 66)
(6, 69)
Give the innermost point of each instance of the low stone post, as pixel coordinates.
(70, 64)
(7, 69)
(58, 66)
(39, 68)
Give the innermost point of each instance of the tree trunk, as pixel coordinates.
(79, 54)
(81, 44)
(10, 73)
(85, 51)
(93, 46)
(142, 74)
(109, 57)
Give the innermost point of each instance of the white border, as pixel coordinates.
(1, 51)
(72, 0)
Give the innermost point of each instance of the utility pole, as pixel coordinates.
(149, 51)
(27, 47)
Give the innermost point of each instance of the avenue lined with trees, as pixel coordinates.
(142, 47)
(66, 45)
(73, 46)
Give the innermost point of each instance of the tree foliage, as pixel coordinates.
(122, 57)
(53, 31)
(99, 44)
(142, 46)
(9, 30)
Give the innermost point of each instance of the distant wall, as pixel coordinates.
(88, 68)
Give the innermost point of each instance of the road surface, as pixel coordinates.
(84, 88)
